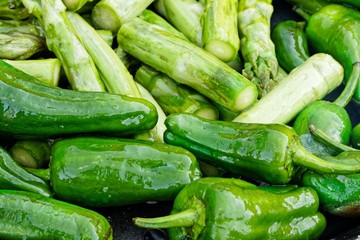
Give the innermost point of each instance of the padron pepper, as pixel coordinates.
(26, 215)
(290, 42)
(229, 208)
(339, 194)
(267, 152)
(104, 172)
(15, 177)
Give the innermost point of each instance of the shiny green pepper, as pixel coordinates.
(355, 136)
(330, 118)
(15, 177)
(267, 152)
(229, 208)
(103, 172)
(338, 193)
(26, 215)
(291, 45)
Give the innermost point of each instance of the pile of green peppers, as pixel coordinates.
(68, 154)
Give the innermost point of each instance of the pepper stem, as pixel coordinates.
(304, 158)
(322, 137)
(345, 97)
(185, 218)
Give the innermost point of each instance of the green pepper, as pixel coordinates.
(26, 215)
(291, 45)
(338, 193)
(329, 118)
(102, 172)
(352, 3)
(229, 208)
(267, 152)
(13, 176)
(355, 136)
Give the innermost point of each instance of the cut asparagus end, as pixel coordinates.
(208, 113)
(245, 98)
(221, 50)
(186, 218)
(104, 17)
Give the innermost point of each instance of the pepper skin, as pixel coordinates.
(25, 215)
(13, 176)
(338, 193)
(291, 45)
(267, 152)
(103, 172)
(228, 208)
(355, 136)
(330, 118)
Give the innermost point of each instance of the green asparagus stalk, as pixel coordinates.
(20, 39)
(13, 9)
(260, 62)
(47, 70)
(31, 153)
(106, 35)
(185, 15)
(115, 74)
(220, 29)
(75, 5)
(174, 97)
(156, 134)
(131, 63)
(34, 8)
(111, 14)
(159, 7)
(78, 65)
(187, 64)
(311, 81)
(153, 18)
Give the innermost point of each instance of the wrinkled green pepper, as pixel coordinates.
(290, 42)
(13, 176)
(267, 152)
(229, 208)
(25, 215)
(103, 172)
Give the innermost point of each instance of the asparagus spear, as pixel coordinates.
(114, 73)
(220, 30)
(111, 14)
(187, 64)
(185, 15)
(309, 82)
(13, 9)
(20, 39)
(47, 70)
(116, 76)
(79, 67)
(257, 48)
(174, 97)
